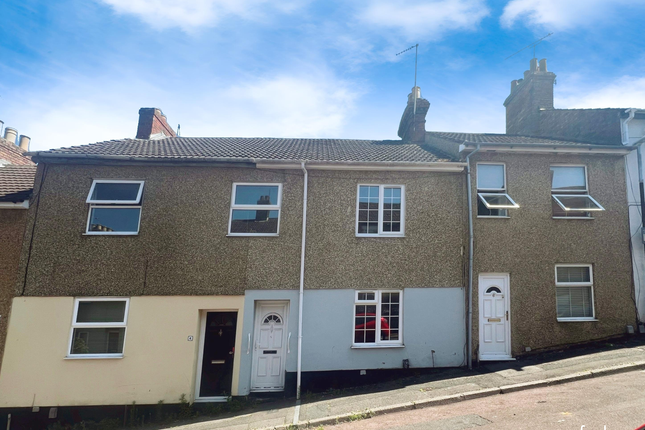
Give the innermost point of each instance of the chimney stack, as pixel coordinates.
(153, 124)
(10, 134)
(412, 127)
(24, 142)
(529, 96)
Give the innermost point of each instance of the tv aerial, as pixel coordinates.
(532, 45)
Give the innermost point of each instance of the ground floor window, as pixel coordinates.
(574, 292)
(384, 306)
(98, 327)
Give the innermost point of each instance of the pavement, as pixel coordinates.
(439, 387)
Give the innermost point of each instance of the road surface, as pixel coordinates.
(614, 402)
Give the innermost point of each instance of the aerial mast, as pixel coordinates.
(416, 56)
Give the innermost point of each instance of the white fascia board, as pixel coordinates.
(364, 166)
(542, 149)
(11, 205)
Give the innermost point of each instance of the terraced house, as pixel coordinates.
(17, 173)
(218, 267)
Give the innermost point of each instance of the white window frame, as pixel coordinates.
(585, 192)
(118, 202)
(378, 343)
(482, 192)
(381, 205)
(275, 207)
(76, 325)
(114, 204)
(576, 284)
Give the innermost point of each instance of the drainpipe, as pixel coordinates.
(302, 280)
(471, 242)
(639, 154)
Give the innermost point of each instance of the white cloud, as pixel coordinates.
(560, 14)
(79, 110)
(282, 106)
(624, 92)
(427, 19)
(191, 14)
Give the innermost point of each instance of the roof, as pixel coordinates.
(13, 154)
(503, 139)
(253, 149)
(16, 182)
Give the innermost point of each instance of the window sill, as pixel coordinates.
(573, 217)
(577, 319)
(100, 233)
(375, 346)
(94, 357)
(252, 235)
(493, 217)
(380, 235)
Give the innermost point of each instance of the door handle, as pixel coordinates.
(506, 315)
(289, 343)
(248, 345)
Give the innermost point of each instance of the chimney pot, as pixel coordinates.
(513, 84)
(415, 93)
(543, 65)
(534, 65)
(10, 134)
(24, 142)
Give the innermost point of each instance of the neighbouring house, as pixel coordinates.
(17, 173)
(530, 111)
(212, 267)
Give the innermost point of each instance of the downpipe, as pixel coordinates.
(471, 241)
(302, 279)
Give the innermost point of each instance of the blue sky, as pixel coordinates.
(75, 72)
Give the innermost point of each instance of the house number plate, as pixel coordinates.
(494, 320)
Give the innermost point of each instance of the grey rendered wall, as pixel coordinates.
(183, 248)
(433, 319)
(529, 244)
(430, 255)
(251, 296)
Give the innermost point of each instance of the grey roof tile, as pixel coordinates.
(330, 150)
(501, 138)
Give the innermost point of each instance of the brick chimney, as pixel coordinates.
(153, 124)
(529, 96)
(412, 127)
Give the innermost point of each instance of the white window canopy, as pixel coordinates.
(497, 201)
(577, 202)
(570, 193)
(493, 198)
(115, 192)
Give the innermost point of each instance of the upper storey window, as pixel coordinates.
(115, 207)
(255, 210)
(570, 194)
(380, 210)
(493, 200)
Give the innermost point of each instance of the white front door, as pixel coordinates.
(494, 318)
(269, 346)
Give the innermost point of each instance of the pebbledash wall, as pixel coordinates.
(530, 242)
(12, 230)
(182, 263)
